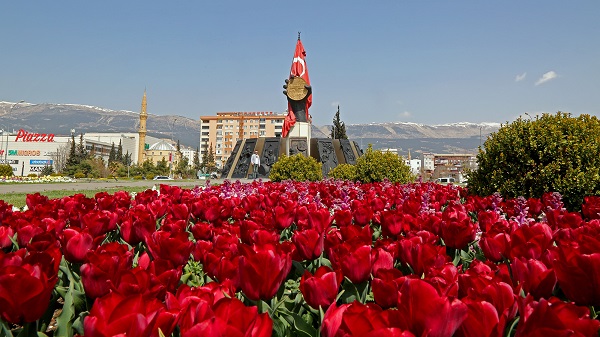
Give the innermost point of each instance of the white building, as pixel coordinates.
(414, 164)
(28, 151)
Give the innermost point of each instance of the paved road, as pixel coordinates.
(101, 185)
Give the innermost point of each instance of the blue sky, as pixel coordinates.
(426, 62)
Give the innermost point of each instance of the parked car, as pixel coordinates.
(162, 178)
(446, 180)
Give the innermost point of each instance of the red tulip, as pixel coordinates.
(133, 315)
(554, 317)
(422, 311)
(342, 217)
(495, 242)
(262, 269)
(354, 260)
(591, 207)
(320, 289)
(578, 274)
(175, 247)
(138, 223)
(392, 222)
(99, 222)
(481, 321)
(77, 243)
(103, 267)
(457, 229)
(385, 286)
(354, 319)
(420, 255)
(230, 317)
(25, 286)
(6, 233)
(531, 242)
(320, 220)
(309, 244)
(535, 278)
(284, 216)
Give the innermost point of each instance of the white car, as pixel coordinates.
(162, 178)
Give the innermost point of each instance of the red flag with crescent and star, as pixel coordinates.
(299, 69)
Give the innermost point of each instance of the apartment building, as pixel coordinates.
(223, 130)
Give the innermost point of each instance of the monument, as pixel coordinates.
(296, 132)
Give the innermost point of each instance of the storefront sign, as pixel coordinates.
(25, 136)
(40, 162)
(24, 153)
(36, 169)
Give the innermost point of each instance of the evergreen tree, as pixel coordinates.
(210, 164)
(81, 151)
(72, 160)
(127, 159)
(113, 154)
(162, 167)
(338, 130)
(197, 164)
(119, 155)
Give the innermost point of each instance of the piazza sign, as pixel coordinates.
(25, 136)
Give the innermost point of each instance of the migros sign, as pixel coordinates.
(25, 136)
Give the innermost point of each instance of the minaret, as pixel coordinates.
(142, 131)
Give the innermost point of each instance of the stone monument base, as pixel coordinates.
(327, 151)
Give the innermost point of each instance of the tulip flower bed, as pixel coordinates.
(328, 258)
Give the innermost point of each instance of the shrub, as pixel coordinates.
(6, 170)
(553, 153)
(47, 170)
(296, 167)
(150, 176)
(137, 177)
(343, 172)
(375, 165)
(79, 175)
(32, 175)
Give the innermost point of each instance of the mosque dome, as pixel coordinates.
(162, 146)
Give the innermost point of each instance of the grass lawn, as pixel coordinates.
(18, 199)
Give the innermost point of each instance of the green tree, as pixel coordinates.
(119, 154)
(375, 165)
(72, 160)
(47, 170)
(338, 130)
(197, 164)
(162, 167)
(208, 164)
(112, 154)
(81, 151)
(553, 153)
(6, 170)
(183, 167)
(148, 168)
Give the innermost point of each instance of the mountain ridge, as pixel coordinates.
(59, 118)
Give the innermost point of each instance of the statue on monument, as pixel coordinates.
(297, 90)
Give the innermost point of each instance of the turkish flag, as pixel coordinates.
(299, 69)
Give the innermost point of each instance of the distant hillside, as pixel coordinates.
(61, 118)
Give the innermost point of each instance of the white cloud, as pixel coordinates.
(520, 77)
(406, 114)
(547, 77)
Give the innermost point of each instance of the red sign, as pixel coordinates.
(25, 136)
